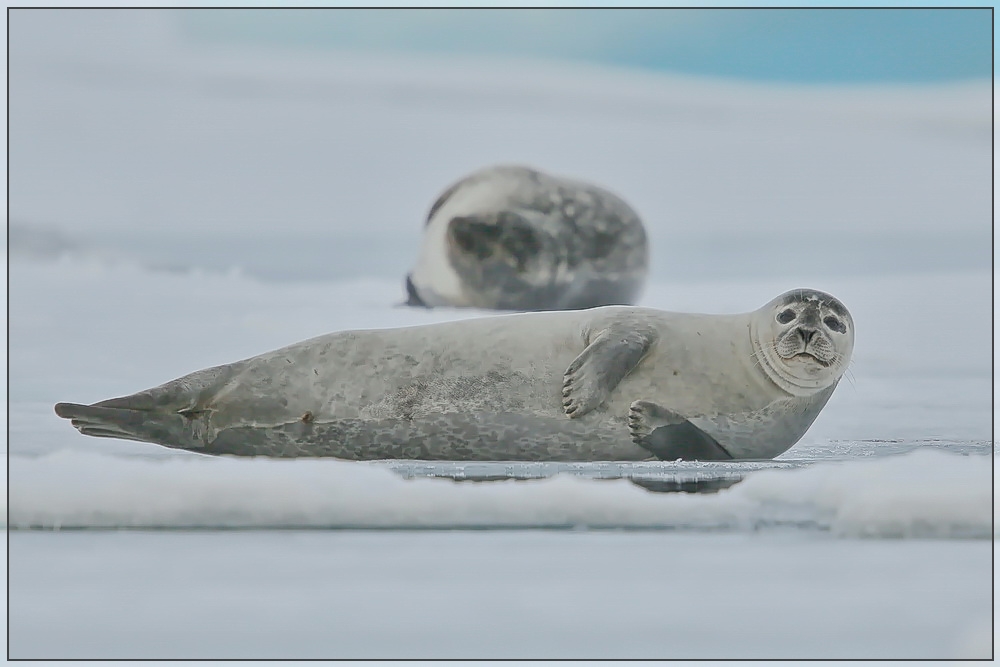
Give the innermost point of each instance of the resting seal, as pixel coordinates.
(513, 238)
(613, 383)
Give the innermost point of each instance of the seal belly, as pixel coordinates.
(455, 436)
(406, 394)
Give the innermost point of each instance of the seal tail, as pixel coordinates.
(101, 421)
(166, 415)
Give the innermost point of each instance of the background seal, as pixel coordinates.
(514, 238)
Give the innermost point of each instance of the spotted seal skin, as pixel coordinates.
(514, 238)
(613, 383)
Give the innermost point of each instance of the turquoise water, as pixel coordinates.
(790, 45)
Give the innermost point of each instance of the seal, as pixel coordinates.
(612, 383)
(514, 238)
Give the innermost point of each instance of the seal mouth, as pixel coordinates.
(807, 356)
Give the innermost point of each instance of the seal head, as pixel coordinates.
(803, 340)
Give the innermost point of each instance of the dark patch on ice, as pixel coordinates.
(653, 476)
(666, 485)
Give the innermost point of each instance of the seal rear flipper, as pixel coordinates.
(609, 356)
(669, 436)
(168, 429)
(185, 394)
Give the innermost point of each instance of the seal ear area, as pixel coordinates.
(504, 236)
(610, 356)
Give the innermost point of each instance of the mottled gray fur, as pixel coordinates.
(614, 383)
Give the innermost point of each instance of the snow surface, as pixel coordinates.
(465, 594)
(922, 494)
(172, 209)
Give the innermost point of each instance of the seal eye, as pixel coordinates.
(834, 324)
(786, 316)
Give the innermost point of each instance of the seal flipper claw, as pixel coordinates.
(644, 417)
(603, 364)
(669, 436)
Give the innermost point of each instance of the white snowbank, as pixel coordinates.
(922, 494)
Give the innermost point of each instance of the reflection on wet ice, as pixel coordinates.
(654, 476)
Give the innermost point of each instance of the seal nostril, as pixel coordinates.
(806, 334)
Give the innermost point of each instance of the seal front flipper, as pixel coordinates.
(610, 355)
(669, 436)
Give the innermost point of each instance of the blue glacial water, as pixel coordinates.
(789, 45)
